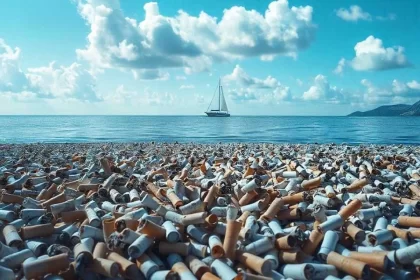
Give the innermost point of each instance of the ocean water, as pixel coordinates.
(202, 129)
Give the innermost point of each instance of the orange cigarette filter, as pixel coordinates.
(350, 209)
(354, 267)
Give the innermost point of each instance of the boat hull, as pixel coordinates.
(217, 114)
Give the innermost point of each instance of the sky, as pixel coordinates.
(135, 57)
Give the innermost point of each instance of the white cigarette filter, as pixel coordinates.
(177, 264)
(89, 231)
(172, 234)
(198, 234)
(221, 269)
(140, 245)
(147, 266)
(328, 244)
(93, 218)
(216, 247)
(298, 271)
(16, 259)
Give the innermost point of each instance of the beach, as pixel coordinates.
(152, 210)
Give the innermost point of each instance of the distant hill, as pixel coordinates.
(391, 110)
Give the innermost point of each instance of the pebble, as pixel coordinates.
(209, 211)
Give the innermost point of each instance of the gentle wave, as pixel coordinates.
(276, 129)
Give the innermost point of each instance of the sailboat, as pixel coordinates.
(218, 106)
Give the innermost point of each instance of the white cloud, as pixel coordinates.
(255, 89)
(396, 92)
(186, 87)
(12, 77)
(371, 55)
(322, 90)
(299, 82)
(179, 78)
(191, 42)
(72, 82)
(150, 74)
(355, 13)
(340, 66)
(125, 96)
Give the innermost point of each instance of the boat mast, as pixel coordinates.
(219, 94)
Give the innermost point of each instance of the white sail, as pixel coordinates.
(223, 105)
(214, 104)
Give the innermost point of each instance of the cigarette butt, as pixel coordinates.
(150, 228)
(260, 246)
(259, 265)
(247, 198)
(273, 209)
(351, 266)
(294, 256)
(407, 221)
(377, 261)
(51, 265)
(177, 265)
(401, 233)
(197, 267)
(140, 245)
(328, 244)
(73, 216)
(194, 219)
(294, 198)
(180, 248)
(108, 228)
(222, 269)
(15, 260)
(354, 232)
(100, 250)
(210, 222)
(231, 238)
(216, 247)
(286, 242)
(298, 271)
(126, 268)
(357, 184)
(350, 209)
(11, 198)
(147, 266)
(11, 236)
(311, 183)
(125, 222)
(37, 231)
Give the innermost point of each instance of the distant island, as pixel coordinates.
(391, 110)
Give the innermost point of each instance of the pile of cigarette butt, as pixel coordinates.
(209, 211)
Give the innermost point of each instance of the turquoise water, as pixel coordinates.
(277, 129)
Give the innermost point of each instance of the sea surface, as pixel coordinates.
(202, 129)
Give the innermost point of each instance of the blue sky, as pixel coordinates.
(274, 57)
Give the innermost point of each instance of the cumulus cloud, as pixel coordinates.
(72, 82)
(321, 90)
(122, 95)
(371, 55)
(191, 42)
(150, 74)
(255, 89)
(396, 92)
(356, 13)
(186, 87)
(12, 77)
(340, 66)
